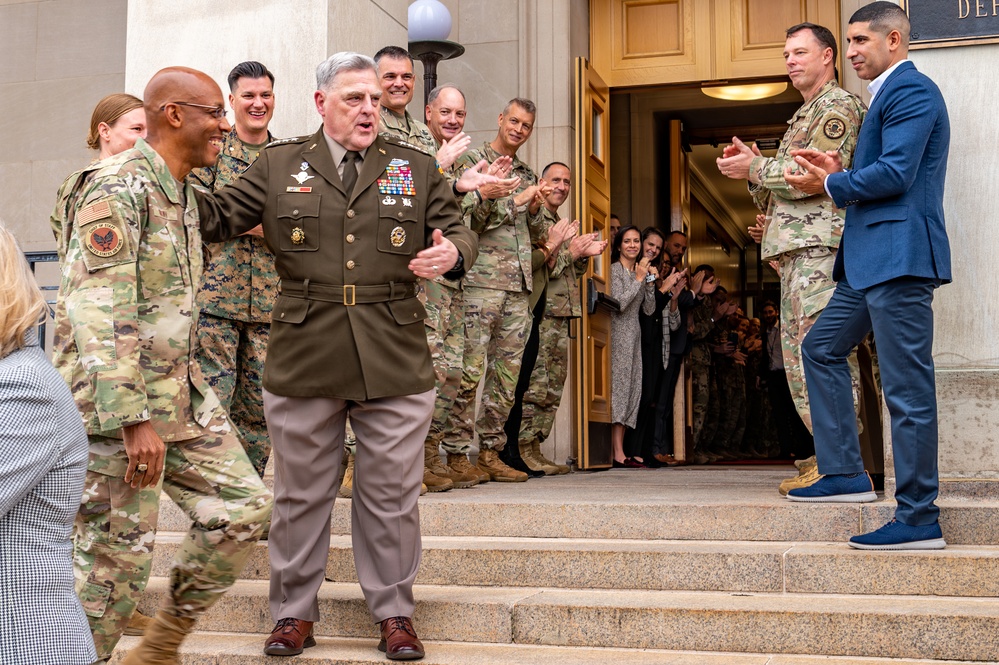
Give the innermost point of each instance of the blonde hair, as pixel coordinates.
(108, 110)
(21, 301)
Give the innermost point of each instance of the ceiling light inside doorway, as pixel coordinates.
(744, 93)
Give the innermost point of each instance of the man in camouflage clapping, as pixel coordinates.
(802, 232)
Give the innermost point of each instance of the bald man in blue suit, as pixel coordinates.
(893, 256)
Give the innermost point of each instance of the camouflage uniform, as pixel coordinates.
(803, 232)
(701, 330)
(132, 263)
(497, 314)
(409, 129)
(562, 304)
(235, 299)
(445, 322)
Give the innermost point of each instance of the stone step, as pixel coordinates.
(751, 623)
(674, 565)
(490, 511)
(244, 649)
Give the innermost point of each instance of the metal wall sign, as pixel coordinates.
(937, 23)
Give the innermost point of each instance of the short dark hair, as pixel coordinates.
(523, 103)
(703, 266)
(884, 17)
(251, 69)
(822, 34)
(675, 233)
(769, 303)
(396, 52)
(545, 170)
(616, 244)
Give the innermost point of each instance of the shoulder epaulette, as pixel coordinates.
(291, 139)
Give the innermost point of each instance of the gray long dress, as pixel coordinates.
(626, 343)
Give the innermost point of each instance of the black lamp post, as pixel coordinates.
(429, 28)
(430, 52)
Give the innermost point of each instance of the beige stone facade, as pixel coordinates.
(59, 57)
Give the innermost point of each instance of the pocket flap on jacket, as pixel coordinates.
(878, 214)
(289, 310)
(407, 311)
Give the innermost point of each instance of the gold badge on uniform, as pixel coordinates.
(297, 236)
(104, 239)
(398, 236)
(834, 128)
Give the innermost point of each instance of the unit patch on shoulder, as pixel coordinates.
(834, 128)
(104, 239)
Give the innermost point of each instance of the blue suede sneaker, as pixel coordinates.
(837, 489)
(898, 536)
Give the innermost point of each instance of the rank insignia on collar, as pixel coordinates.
(389, 201)
(297, 236)
(407, 203)
(104, 239)
(300, 178)
(398, 236)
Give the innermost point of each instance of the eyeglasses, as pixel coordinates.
(217, 112)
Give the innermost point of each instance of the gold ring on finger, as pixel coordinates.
(142, 467)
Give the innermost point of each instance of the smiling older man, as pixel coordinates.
(354, 219)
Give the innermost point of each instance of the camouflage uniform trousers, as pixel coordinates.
(703, 398)
(446, 336)
(212, 480)
(231, 356)
(496, 327)
(731, 384)
(544, 392)
(806, 286)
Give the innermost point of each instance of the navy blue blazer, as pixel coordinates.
(894, 192)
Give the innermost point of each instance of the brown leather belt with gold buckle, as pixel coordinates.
(349, 294)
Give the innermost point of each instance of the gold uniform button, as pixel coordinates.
(350, 264)
(350, 237)
(351, 213)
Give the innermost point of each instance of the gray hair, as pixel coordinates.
(435, 93)
(345, 61)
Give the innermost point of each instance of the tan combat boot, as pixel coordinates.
(459, 462)
(809, 476)
(160, 643)
(533, 462)
(436, 466)
(490, 462)
(138, 624)
(433, 482)
(347, 484)
(560, 469)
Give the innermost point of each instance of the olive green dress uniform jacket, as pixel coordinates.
(323, 241)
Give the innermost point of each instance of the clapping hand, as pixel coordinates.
(451, 150)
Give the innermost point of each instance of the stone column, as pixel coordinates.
(289, 38)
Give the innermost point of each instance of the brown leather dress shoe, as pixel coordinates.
(289, 638)
(399, 640)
